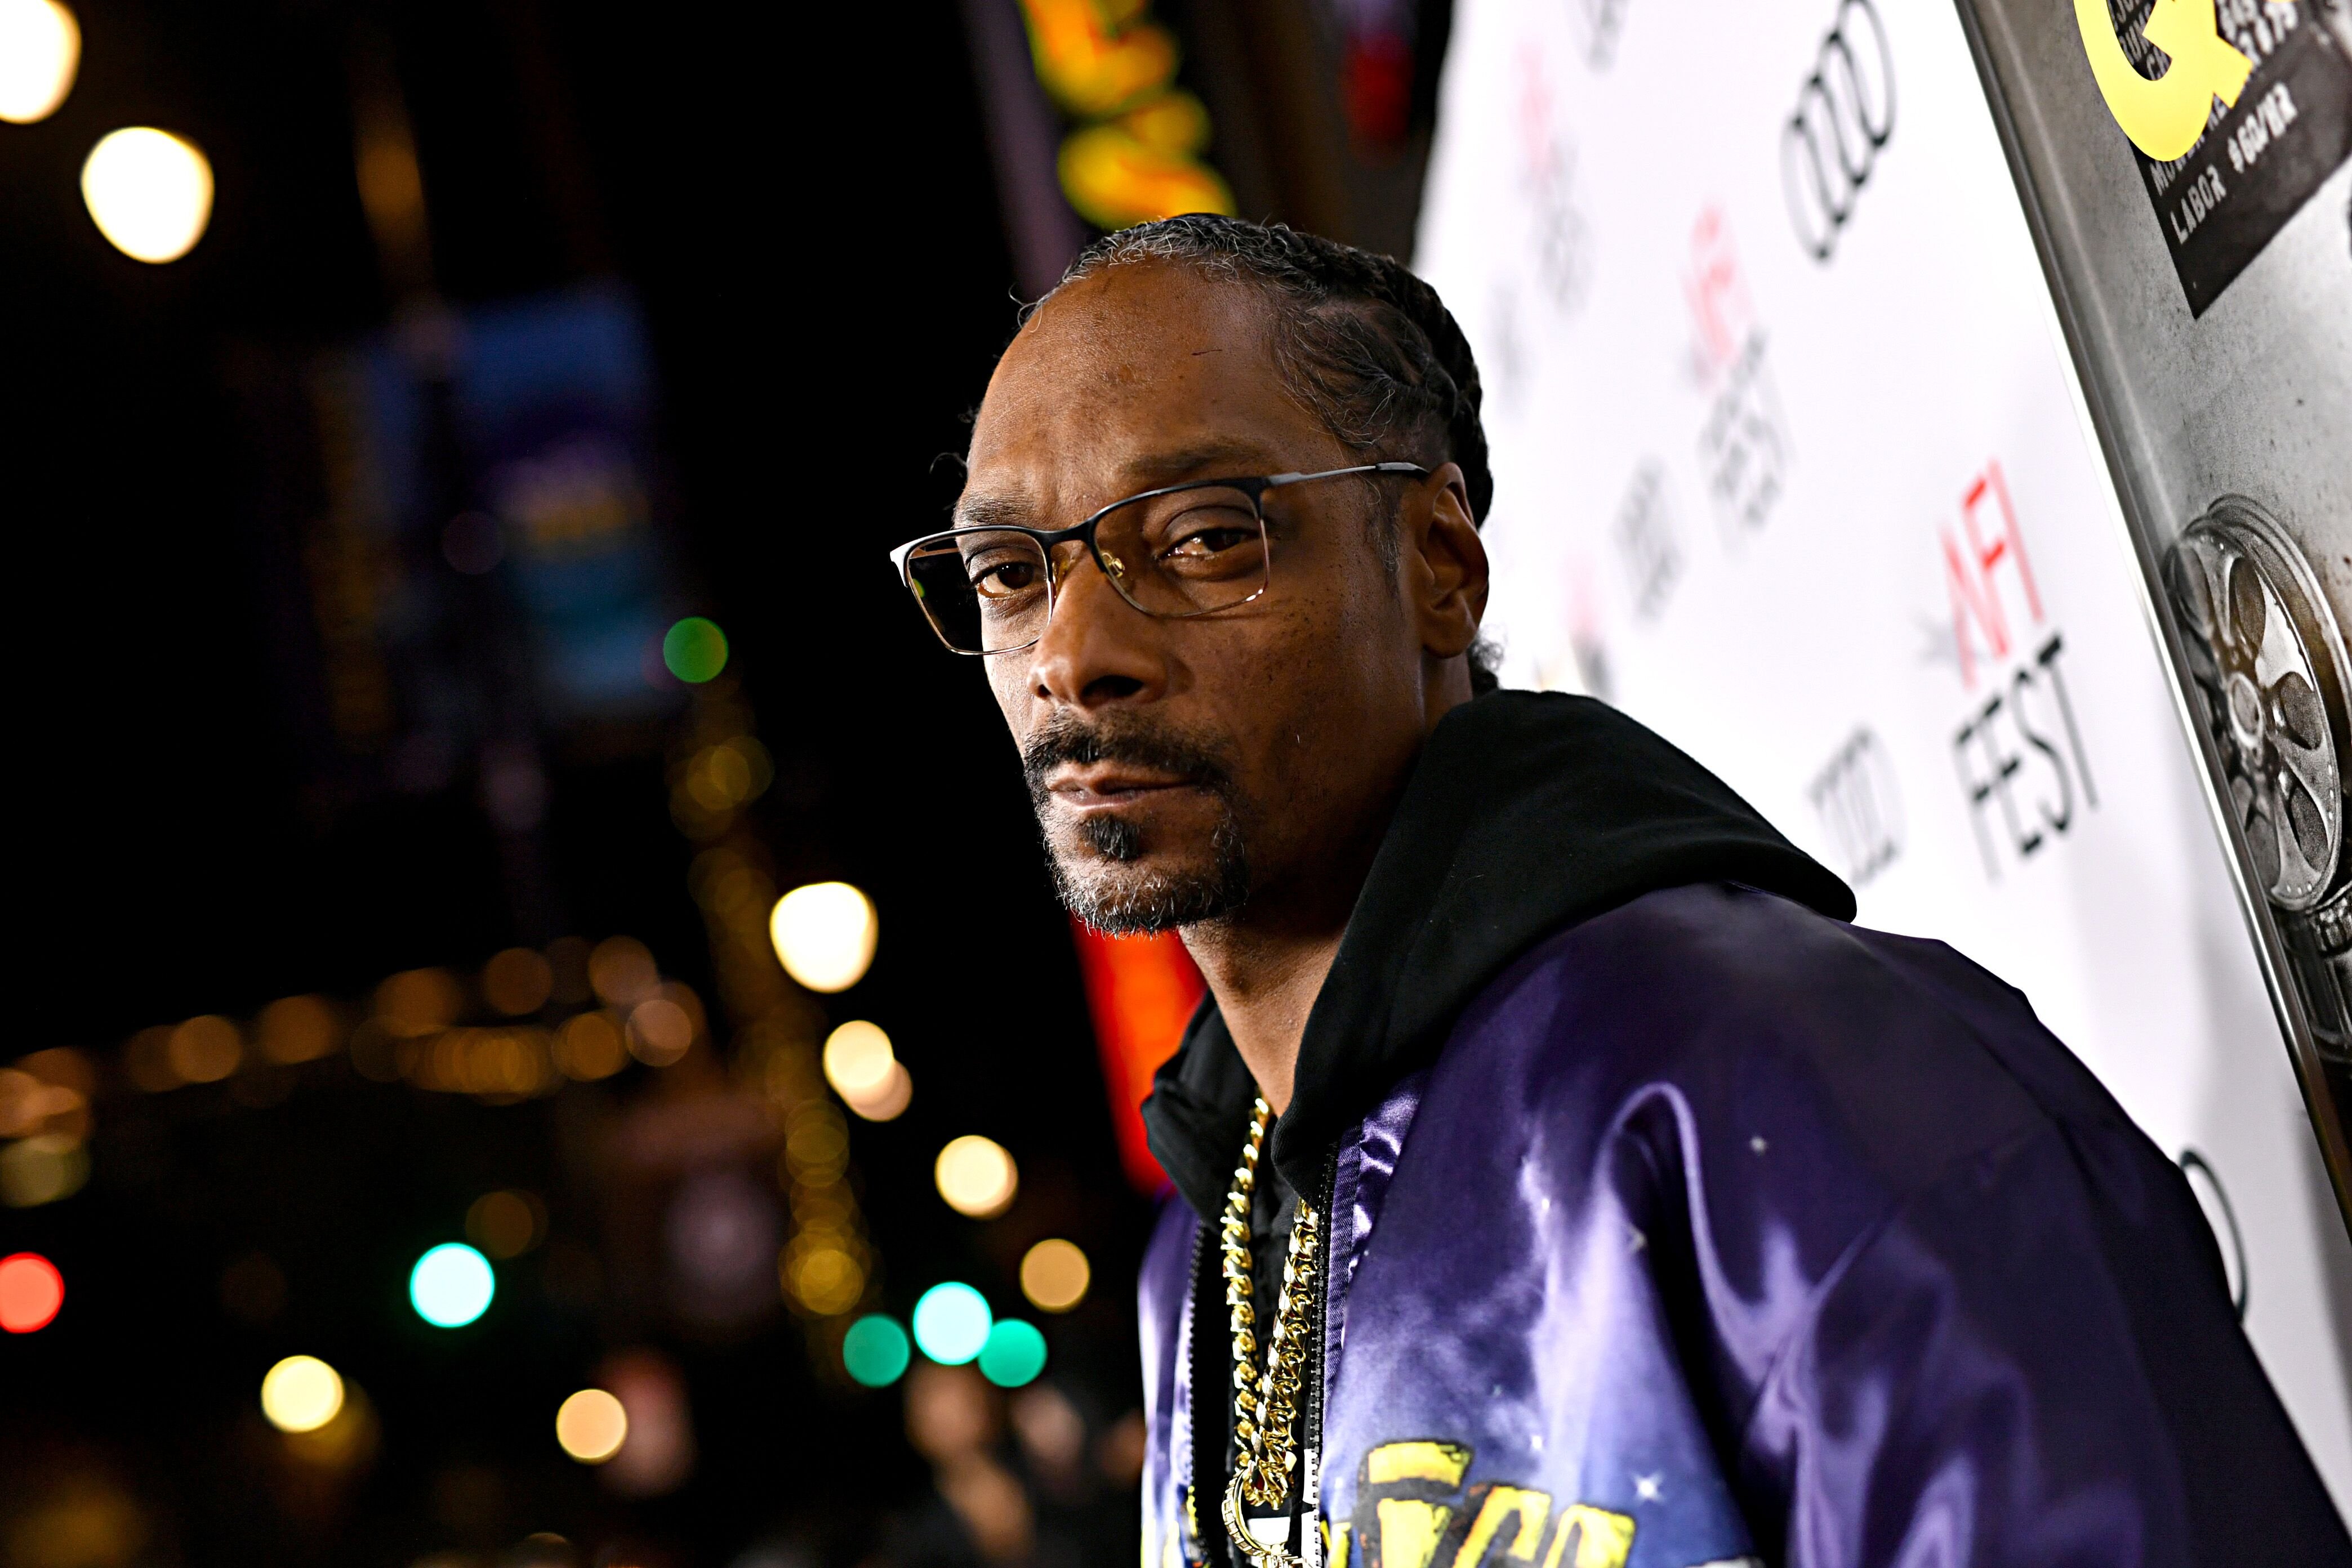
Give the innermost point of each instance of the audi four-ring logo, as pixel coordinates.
(1844, 113)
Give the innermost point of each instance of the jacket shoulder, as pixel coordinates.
(1763, 1018)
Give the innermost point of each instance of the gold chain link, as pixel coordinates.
(1266, 1403)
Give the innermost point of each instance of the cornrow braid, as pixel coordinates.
(1359, 340)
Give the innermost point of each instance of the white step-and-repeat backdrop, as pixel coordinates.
(1791, 464)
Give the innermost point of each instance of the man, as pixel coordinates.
(1565, 1181)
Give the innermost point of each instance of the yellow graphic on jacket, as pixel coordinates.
(1410, 1513)
(2164, 116)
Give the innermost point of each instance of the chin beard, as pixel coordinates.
(1098, 870)
(1099, 881)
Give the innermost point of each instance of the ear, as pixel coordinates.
(1444, 564)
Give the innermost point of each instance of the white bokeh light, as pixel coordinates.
(149, 192)
(824, 934)
(40, 50)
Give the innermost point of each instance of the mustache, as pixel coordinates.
(1066, 739)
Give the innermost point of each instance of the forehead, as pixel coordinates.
(1128, 377)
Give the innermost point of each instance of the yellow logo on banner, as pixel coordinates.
(2165, 116)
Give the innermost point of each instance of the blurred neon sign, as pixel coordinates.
(1135, 154)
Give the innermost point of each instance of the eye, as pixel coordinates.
(1002, 578)
(1206, 532)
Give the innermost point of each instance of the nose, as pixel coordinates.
(1098, 650)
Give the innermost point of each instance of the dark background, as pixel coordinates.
(801, 202)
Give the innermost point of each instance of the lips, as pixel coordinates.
(1105, 786)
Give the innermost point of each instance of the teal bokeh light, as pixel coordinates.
(451, 1286)
(951, 1324)
(875, 1350)
(1014, 1355)
(695, 649)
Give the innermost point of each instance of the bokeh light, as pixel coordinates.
(858, 1060)
(621, 972)
(660, 1032)
(875, 1350)
(149, 192)
(205, 1049)
(451, 1285)
(31, 1291)
(40, 50)
(42, 1169)
(298, 1030)
(1013, 1354)
(976, 1176)
(695, 649)
(590, 1046)
(824, 934)
(505, 1223)
(419, 1001)
(1054, 1274)
(518, 981)
(591, 1426)
(894, 1097)
(302, 1394)
(951, 1324)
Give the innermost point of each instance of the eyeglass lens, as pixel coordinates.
(1183, 553)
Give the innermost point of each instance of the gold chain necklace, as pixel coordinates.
(1266, 1403)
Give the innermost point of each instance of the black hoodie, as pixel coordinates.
(1526, 812)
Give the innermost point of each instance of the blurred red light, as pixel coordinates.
(31, 1291)
(1143, 991)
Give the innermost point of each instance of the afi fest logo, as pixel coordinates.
(2164, 116)
(2019, 752)
(1845, 112)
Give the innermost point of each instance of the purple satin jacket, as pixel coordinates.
(1722, 1230)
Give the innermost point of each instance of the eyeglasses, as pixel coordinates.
(1174, 553)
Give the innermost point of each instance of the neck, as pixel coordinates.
(1265, 965)
(1266, 984)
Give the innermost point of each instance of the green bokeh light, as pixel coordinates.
(1014, 1353)
(875, 1350)
(695, 649)
(951, 1324)
(451, 1286)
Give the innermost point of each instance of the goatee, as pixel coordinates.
(1097, 877)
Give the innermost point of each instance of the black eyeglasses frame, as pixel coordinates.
(1254, 486)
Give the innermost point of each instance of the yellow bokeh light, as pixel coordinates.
(517, 981)
(590, 1046)
(298, 1030)
(419, 1001)
(1055, 1275)
(857, 1061)
(824, 934)
(205, 1049)
(976, 1176)
(822, 1277)
(591, 1426)
(40, 50)
(149, 192)
(302, 1394)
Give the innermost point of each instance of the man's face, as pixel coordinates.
(1182, 767)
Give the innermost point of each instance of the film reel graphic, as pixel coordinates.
(2270, 670)
(1845, 114)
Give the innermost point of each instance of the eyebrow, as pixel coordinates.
(1230, 458)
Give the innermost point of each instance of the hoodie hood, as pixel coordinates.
(1526, 812)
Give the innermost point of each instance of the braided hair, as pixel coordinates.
(1359, 341)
